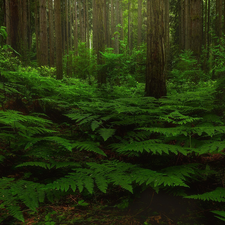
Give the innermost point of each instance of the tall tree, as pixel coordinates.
(112, 23)
(8, 25)
(100, 35)
(75, 27)
(186, 24)
(195, 36)
(116, 36)
(58, 35)
(43, 34)
(37, 29)
(139, 22)
(87, 24)
(51, 34)
(130, 44)
(25, 32)
(155, 76)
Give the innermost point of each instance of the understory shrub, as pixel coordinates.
(101, 139)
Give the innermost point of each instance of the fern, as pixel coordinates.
(217, 195)
(221, 215)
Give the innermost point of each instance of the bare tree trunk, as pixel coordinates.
(43, 34)
(37, 31)
(186, 24)
(75, 28)
(25, 36)
(182, 25)
(196, 27)
(121, 22)
(130, 44)
(155, 77)
(58, 35)
(99, 13)
(51, 34)
(112, 23)
(116, 47)
(87, 26)
(139, 22)
(8, 25)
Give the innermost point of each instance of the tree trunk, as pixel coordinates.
(51, 34)
(129, 27)
(87, 26)
(58, 35)
(196, 27)
(43, 34)
(100, 38)
(8, 25)
(112, 24)
(139, 23)
(155, 77)
(116, 36)
(37, 30)
(75, 28)
(181, 24)
(122, 23)
(25, 36)
(186, 24)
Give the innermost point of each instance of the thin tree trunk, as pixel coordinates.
(58, 35)
(43, 34)
(121, 22)
(112, 24)
(8, 25)
(116, 47)
(87, 25)
(37, 31)
(25, 37)
(51, 34)
(99, 13)
(139, 22)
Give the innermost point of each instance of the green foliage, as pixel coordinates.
(113, 137)
(187, 69)
(80, 63)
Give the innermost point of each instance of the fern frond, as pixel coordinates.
(217, 195)
(153, 146)
(177, 118)
(221, 215)
(40, 164)
(88, 146)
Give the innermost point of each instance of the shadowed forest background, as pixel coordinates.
(112, 112)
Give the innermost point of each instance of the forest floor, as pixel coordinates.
(148, 208)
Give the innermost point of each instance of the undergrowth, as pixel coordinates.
(63, 137)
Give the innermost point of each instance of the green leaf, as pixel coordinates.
(106, 133)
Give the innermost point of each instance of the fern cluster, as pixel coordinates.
(150, 134)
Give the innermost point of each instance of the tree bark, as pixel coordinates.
(58, 35)
(116, 36)
(196, 27)
(112, 24)
(100, 34)
(51, 34)
(139, 23)
(155, 76)
(43, 34)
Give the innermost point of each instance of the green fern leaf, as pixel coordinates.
(217, 195)
(89, 184)
(88, 146)
(95, 124)
(40, 164)
(101, 183)
(221, 215)
(106, 133)
(15, 211)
